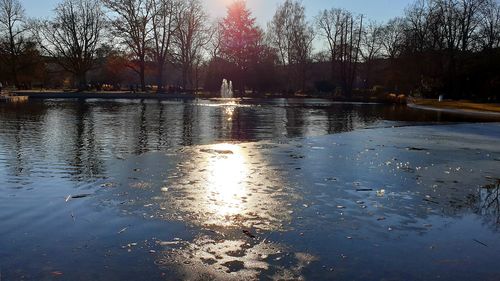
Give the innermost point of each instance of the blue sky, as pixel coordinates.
(379, 10)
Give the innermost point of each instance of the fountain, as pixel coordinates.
(226, 90)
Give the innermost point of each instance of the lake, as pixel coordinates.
(283, 189)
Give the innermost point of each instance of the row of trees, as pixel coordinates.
(437, 46)
(145, 32)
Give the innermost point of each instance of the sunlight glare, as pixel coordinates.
(226, 184)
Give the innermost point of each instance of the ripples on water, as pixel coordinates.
(178, 190)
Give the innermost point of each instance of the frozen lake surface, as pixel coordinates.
(289, 190)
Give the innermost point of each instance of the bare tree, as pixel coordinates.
(458, 20)
(343, 32)
(392, 42)
(214, 46)
(12, 28)
(328, 23)
(443, 24)
(489, 27)
(419, 25)
(73, 36)
(290, 34)
(163, 27)
(371, 47)
(469, 21)
(192, 35)
(392, 37)
(131, 20)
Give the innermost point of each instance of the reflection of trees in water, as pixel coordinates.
(161, 123)
(486, 202)
(142, 137)
(85, 154)
(21, 137)
(187, 125)
(82, 133)
(294, 122)
(340, 120)
(20, 162)
(160, 126)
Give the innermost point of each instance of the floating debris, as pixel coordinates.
(381, 193)
(140, 185)
(248, 233)
(431, 201)
(216, 151)
(56, 273)
(78, 196)
(475, 240)
(416, 149)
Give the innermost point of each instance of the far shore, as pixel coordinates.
(457, 107)
(60, 94)
(73, 94)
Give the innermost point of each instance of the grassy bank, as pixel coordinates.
(459, 105)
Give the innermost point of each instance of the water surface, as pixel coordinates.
(285, 190)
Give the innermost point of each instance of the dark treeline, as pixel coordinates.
(436, 47)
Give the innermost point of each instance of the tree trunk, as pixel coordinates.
(185, 76)
(142, 75)
(159, 78)
(81, 80)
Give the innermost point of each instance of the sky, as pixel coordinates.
(263, 10)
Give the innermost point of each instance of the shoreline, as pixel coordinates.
(167, 96)
(469, 112)
(101, 95)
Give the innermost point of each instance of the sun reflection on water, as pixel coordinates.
(235, 194)
(226, 186)
(229, 112)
